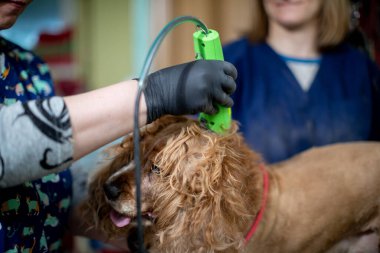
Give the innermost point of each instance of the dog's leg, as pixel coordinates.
(369, 243)
(366, 243)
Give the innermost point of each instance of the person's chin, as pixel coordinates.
(7, 22)
(291, 23)
(292, 26)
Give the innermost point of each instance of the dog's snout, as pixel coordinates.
(112, 192)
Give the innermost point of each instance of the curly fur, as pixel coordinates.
(203, 177)
(209, 190)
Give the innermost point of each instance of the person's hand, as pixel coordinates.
(190, 88)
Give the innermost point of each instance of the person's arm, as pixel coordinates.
(44, 136)
(101, 116)
(35, 140)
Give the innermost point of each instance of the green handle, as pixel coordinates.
(209, 47)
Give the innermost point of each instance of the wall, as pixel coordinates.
(115, 36)
(231, 18)
(104, 41)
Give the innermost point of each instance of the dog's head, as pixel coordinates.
(198, 187)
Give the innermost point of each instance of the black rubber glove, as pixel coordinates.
(190, 88)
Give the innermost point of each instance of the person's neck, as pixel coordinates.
(296, 43)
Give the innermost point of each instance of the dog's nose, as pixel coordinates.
(112, 192)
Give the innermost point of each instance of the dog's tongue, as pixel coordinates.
(119, 220)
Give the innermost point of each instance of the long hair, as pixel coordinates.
(333, 23)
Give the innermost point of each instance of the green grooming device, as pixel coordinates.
(208, 47)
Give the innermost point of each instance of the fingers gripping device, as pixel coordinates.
(208, 47)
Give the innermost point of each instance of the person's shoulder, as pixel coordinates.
(355, 59)
(349, 52)
(13, 50)
(8, 45)
(238, 44)
(239, 49)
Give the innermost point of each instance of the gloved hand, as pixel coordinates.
(190, 88)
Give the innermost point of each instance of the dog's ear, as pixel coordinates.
(201, 196)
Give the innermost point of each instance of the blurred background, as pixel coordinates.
(92, 43)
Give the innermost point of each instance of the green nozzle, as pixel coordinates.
(209, 47)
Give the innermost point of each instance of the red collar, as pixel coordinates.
(259, 215)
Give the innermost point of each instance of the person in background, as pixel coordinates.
(42, 134)
(300, 84)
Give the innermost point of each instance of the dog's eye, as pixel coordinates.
(155, 169)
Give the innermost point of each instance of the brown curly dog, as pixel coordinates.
(203, 192)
